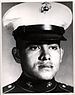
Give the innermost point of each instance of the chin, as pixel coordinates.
(45, 76)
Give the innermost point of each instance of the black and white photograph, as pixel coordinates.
(37, 47)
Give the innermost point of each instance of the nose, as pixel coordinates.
(44, 55)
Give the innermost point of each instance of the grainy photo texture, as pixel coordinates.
(37, 39)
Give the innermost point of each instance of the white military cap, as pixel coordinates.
(39, 16)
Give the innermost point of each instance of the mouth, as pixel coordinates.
(45, 66)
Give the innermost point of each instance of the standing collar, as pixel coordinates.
(37, 85)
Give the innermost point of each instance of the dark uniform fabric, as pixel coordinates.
(26, 85)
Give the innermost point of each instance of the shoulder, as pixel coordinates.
(8, 88)
(14, 88)
(64, 87)
(60, 88)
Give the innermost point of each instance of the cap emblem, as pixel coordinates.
(45, 7)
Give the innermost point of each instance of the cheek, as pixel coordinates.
(32, 58)
(55, 57)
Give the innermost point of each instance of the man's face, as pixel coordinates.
(41, 61)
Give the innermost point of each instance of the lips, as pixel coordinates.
(45, 66)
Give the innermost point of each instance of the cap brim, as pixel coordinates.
(44, 38)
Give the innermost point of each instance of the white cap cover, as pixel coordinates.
(33, 13)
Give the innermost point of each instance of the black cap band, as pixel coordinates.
(39, 33)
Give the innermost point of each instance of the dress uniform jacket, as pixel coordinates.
(26, 85)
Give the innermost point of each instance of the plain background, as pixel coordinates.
(12, 70)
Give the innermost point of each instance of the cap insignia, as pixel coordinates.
(45, 7)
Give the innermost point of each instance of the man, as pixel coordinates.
(38, 30)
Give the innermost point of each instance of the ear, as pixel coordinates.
(61, 54)
(16, 55)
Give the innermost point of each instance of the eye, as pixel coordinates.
(34, 47)
(53, 47)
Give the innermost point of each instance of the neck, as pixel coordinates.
(34, 79)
